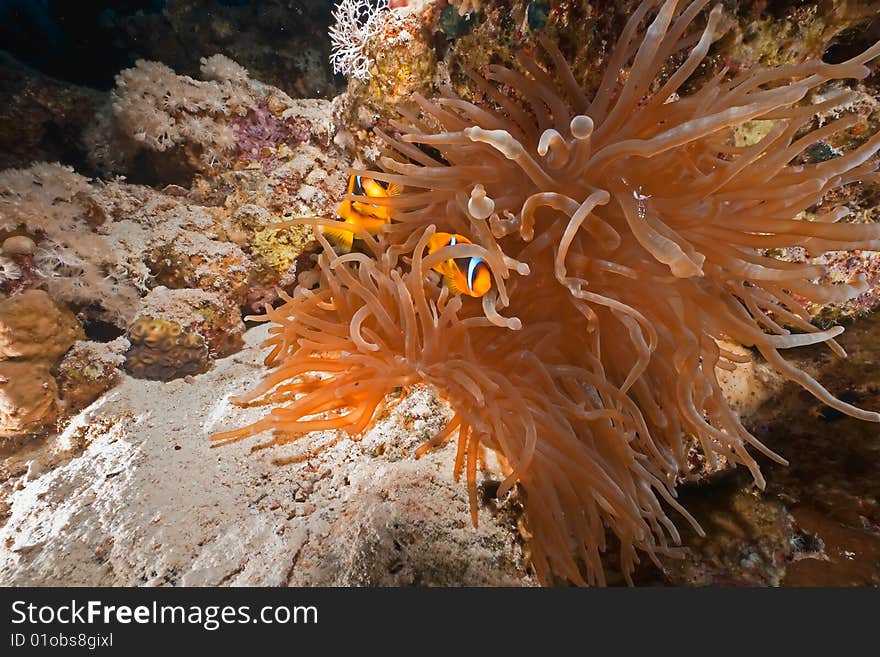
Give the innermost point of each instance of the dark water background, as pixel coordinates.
(87, 42)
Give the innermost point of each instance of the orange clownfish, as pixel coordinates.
(359, 213)
(469, 276)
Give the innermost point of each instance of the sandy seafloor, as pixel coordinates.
(132, 493)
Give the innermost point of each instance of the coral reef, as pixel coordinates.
(217, 163)
(108, 250)
(173, 126)
(71, 260)
(155, 109)
(767, 35)
(100, 247)
(207, 314)
(397, 60)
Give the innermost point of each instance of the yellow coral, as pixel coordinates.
(162, 350)
(279, 248)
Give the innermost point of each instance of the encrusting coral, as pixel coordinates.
(104, 250)
(207, 314)
(34, 333)
(33, 327)
(88, 370)
(68, 257)
(28, 396)
(162, 350)
(625, 235)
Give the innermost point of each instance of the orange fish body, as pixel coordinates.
(470, 276)
(360, 213)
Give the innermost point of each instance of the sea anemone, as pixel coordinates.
(627, 236)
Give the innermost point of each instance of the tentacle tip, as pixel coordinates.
(581, 126)
(504, 489)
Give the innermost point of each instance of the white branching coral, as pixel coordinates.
(467, 6)
(357, 21)
(9, 271)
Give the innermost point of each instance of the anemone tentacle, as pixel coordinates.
(625, 235)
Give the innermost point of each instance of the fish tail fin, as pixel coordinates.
(394, 189)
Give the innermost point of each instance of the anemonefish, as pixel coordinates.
(469, 276)
(368, 216)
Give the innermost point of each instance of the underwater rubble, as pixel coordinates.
(126, 284)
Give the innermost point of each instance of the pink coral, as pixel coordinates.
(259, 134)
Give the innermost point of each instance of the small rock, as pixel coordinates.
(18, 245)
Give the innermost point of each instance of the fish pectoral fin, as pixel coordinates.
(372, 225)
(394, 189)
(340, 237)
(451, 284)
(368, 211)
